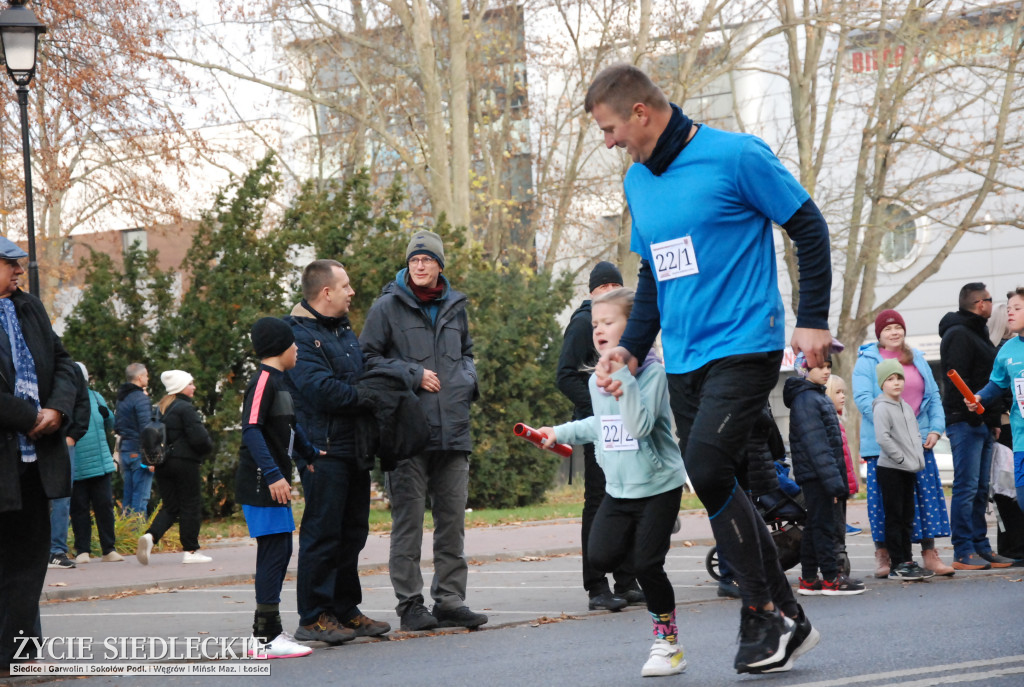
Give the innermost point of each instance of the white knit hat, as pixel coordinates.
(175, 381)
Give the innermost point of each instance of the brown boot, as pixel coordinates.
(882, 563)
(934, 563)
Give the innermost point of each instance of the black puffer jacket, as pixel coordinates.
(187, 437)
(815, 439)
(967, 349)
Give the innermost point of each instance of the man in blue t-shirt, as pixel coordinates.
(703, 203)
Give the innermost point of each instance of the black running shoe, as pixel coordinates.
(805, 637)
(764, 636)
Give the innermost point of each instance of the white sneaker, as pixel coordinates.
(281, 646)
(143, 548)
(82, 558)
(112, 557)
(666, 659)
(195, 557)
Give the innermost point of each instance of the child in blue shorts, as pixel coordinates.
(263, 480)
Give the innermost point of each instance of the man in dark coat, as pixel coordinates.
(967, 349)
(577, 353)
(134, 412)
(419, 323)
(37, 396)
(336, 520)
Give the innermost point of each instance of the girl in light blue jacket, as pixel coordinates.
(644, 476)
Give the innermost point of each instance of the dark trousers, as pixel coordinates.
(181, 502)
(595, 581)
(840, 522)
(715, 407)
(93, 493)
(273, 551)
(897, 487)
(24, 552)
(818, 544)
(639, 529)
(334, 529)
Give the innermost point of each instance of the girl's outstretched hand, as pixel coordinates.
(549, 436)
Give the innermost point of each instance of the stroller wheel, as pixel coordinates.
(711, 563)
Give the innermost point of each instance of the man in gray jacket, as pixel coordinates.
(419, 324)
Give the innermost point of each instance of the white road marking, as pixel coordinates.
(900, 676)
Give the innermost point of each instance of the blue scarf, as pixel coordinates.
(26, 384)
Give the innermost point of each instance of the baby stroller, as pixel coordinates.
(785, 516)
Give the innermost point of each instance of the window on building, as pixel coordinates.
(901, 243)
(138, 236)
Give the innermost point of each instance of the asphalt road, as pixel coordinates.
(963, 630)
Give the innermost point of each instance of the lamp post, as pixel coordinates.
(19, 34)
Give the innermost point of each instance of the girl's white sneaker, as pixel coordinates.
(195, 557)
(143, 548)
(281, 646)
(666, 659)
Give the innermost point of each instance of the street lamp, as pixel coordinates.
(19, 34)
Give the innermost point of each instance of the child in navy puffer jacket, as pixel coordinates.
(819, 467)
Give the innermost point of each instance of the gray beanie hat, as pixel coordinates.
(426, 242)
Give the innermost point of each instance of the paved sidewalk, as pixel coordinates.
(234, 561)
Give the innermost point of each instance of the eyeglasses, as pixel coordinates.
(983, 300)
(424, 260)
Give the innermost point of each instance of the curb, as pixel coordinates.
(82, 594)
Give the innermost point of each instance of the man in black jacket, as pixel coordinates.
(967, 349)
(336, 520)
(60, 509)
(578, 352)
(419, 325)
(37, 396)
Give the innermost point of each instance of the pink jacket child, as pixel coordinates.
(836, 390)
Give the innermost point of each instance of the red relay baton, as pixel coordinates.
(537, 439)
(961, 386)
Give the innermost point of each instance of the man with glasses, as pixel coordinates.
(419, 323)
(967, 349)
(37, 395)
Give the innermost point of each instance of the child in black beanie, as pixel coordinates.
(263, 481)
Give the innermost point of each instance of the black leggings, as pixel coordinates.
(715, 408)
(595, 582)
(641, 528)
(273, 551)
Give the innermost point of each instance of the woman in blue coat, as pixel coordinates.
(931, 519)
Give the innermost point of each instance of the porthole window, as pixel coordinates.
(901, 243)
